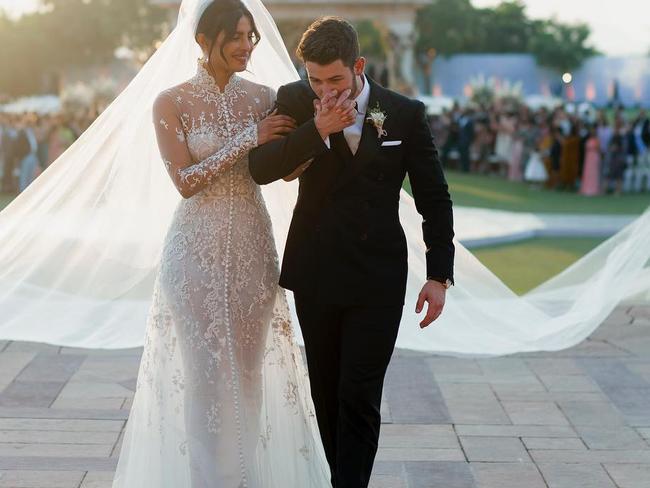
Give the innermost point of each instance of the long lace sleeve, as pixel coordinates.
(188, 176)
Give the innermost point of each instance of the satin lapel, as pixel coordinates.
(368, 145)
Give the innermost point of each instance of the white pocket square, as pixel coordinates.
(391, 143)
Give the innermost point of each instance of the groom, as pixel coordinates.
(346, 254)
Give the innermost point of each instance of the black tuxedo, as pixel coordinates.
(345, 243)
(346, 258)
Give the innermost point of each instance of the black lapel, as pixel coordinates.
(369, 143)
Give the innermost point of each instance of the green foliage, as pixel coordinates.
(455, 26)
(67, 33)
(447, 26)
(371, 41)
(561, 46)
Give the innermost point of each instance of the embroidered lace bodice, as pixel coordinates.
(204, 132)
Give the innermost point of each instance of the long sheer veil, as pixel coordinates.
(79, 248)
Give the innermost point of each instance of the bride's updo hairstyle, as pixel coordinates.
(223, 16)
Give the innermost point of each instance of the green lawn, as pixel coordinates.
(524, 265)
(494, 192)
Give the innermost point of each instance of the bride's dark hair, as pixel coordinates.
(223, 16)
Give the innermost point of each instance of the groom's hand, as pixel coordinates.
(433, 293)
(334, 114)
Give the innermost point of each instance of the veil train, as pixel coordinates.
(79, 248)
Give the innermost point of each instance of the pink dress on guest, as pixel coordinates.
(591, 173)
(515, 170)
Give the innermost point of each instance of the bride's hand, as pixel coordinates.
(274, 127)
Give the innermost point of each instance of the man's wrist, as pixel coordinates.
(445, 282)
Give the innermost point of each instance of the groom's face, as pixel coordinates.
(335, 76)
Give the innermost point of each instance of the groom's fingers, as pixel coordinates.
(342, 99)
(326, 101)
(349, 115)
(433, 312)
(420, 304)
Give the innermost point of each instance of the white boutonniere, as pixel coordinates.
(377, 117)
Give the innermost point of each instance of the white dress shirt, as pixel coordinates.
(352, 133)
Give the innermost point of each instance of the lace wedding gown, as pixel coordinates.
(222, 397)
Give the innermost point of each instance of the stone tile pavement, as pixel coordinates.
(578, 418)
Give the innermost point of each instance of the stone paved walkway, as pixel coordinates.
(578, 418)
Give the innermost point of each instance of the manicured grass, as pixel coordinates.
(495, 192)
(524, 265)
(5, 198)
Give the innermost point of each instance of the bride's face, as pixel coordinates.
(236, 51)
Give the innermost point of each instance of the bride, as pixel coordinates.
(221, 394)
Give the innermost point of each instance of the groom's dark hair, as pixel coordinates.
(328, 39)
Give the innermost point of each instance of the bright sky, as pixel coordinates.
(18, 6)
(618, 27)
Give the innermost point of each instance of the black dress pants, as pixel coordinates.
(348, 349)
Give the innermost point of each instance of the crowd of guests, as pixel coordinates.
(590, 153)
(29, 143)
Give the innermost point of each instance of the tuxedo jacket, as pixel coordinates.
(345, 244)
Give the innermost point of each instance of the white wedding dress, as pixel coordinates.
(222, 399)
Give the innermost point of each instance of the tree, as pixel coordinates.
(371, 40)
(503, 29)
(445, 27)
(448, 26)
(67, 33)
(561, 46)
(455, 26)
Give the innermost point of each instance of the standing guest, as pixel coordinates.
(530, 135)
(544, 147)
(515, 172)
(505, 128)
(465, 138)
(590, 184)
(556, 157)
(617, 157)
(10, 150)
(61, 137)
(535, 173)
(42, 137)
(570, 160)
(641, 135)
(4, 142)
(483, 146)
(453, 133)
(583, 134)
(604, 131)
(29, 162)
